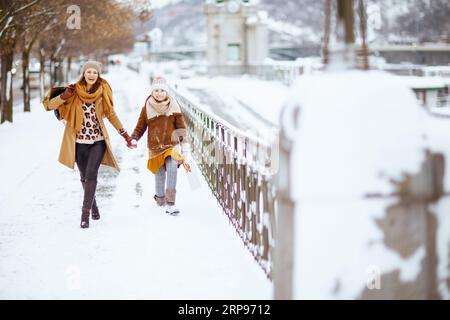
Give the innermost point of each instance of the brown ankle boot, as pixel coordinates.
(89, 194)
(170, 200)
(160, 201)
(170, 196)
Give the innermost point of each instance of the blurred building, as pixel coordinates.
(237, 36)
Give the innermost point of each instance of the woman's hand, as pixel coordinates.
(131, 143)
(69, 92)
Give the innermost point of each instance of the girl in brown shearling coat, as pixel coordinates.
(162, 115)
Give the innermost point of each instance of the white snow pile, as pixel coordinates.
(355, 131)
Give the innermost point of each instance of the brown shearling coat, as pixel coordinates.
(160, 135)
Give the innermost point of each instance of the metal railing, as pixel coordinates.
(235, 165)
(443, 101)
(284, 71)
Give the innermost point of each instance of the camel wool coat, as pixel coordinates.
(67, 151)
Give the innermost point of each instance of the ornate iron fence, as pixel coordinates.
(236, 166)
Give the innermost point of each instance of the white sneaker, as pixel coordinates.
(171, 209)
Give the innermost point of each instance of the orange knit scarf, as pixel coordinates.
(72, 110)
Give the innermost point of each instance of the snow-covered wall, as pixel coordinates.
(367, 168)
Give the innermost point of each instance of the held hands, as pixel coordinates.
(69, 92)
(131, 143)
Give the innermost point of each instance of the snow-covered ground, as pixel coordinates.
(135, 251)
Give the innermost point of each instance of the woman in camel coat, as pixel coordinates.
(86, 141)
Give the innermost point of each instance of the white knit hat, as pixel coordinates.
(160, 83)
(92, 64)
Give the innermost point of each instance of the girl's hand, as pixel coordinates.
(179, 163)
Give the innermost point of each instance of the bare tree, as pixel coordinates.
(426, 20)
(32, 25)
(9, 34)
(106, 27)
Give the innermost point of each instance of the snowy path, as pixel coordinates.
(135, 251)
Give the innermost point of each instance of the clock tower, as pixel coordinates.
(237, 36)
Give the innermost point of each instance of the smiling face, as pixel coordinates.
(159, 94)
(91, 76)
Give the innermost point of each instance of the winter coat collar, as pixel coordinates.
(174, 107)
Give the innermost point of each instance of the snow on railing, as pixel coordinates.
(236, 166)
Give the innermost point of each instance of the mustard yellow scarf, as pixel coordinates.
(72, 110)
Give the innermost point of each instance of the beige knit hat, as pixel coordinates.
(94, 65)
(160, 83)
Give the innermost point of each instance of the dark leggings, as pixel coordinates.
(89, 158)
